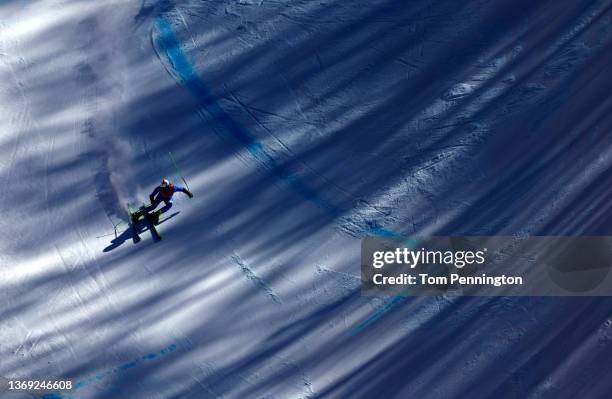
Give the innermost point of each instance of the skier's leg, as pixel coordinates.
(155, 215)
(166, 207)
(153, 205)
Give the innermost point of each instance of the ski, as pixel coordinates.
(165, 217)
(135, 235)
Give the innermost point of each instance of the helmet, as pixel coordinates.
(165, 183)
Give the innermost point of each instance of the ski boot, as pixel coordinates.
(137, 215)
(154, 216)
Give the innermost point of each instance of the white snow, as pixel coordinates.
(301, 128)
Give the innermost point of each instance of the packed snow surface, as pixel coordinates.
(300, 127)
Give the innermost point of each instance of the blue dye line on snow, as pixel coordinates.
(80, 384)
(395, 301)
(187, 76)
(183, 70)
(382, 232)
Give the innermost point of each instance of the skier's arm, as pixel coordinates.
(153, 194)
(184, 190)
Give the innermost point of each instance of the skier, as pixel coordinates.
(162, 193)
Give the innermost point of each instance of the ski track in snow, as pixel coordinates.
(252, 276)
(113, 372)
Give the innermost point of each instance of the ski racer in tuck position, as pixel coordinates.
(162, 193)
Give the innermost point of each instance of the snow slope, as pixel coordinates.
(301, 126)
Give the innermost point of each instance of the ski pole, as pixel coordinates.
(114, 225)
(178, 171)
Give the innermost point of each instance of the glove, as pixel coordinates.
(188, 193)
(151, 198)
